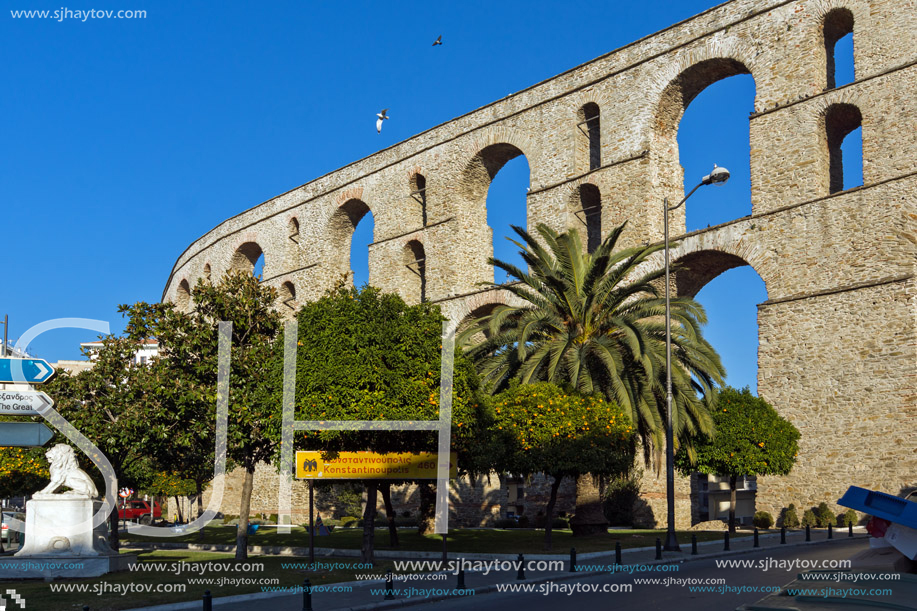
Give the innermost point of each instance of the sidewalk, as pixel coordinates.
(360, 598)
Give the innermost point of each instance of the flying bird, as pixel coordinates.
(382, 117)
(438, 41)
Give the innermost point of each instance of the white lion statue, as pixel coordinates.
(66, 472)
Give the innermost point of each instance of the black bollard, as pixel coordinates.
(830, 532)
(521, 573)
(461, 579)
(306, 595)
(693, 545)
(389, 586)
(808, 533)
(782, 535)
(208, 601)
(726, 542)
(757, 544)
(618, 552)
(572, 559)
(850, 529)
(658, 548)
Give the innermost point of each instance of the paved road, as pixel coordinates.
(644, 596)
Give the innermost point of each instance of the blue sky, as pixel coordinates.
(126, 139)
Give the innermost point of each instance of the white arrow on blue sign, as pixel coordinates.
(24, 434)
(29, 371)
(23, 402)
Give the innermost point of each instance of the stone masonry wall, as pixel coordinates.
(838, 333)
(471, 504)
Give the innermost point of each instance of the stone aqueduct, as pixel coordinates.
(838, 334)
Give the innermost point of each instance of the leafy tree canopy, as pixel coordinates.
(751, 439)
(547, 429)
(366, 355)
(186, 373)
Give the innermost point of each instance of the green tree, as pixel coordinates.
(183, 424)
(366, 355)
(109, 404)
(183, 428)
(543, 428)
(751, 439)
(169, 484)
(596, 321)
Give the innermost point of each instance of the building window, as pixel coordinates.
(419, 194)
(590, 213)
(838, 33)
(588, 137)
(843, 133)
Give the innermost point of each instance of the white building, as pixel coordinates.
(146, 350)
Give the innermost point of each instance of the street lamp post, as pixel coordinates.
(717, 176)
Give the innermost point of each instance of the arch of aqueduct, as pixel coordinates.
(838, 334)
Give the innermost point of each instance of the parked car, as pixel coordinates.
(140, 510)
(5, 531)
(4, 528)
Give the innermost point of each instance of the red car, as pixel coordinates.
(140, 511)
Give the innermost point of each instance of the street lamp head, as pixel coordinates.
(717, 176)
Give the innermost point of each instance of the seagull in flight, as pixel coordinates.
(382, 117)
(438, 41)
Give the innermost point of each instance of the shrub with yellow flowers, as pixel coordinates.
(22, 471)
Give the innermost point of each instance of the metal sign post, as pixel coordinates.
(311, 524)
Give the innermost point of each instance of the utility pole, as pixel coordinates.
(6, 326)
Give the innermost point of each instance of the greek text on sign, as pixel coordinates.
(23, 402)
(370, 465)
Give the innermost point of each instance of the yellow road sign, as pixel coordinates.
(370, 465)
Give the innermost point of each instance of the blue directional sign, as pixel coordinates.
(24, 434)
(29, 371)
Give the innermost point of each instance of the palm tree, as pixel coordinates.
(596, 321)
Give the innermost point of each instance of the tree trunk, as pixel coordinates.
(181, 516)
(114, 539)
(199, 494)
(386, 491)
(549, 517)
(589, 518)
(426, 519)
(369, 523)
(244, 508)
(732, 503)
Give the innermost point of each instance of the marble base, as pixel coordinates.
(62, 526)
(54, 566)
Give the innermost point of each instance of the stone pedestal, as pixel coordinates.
(61, 542)
(63, 525)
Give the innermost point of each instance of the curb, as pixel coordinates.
(486, 589)
(280, 550)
